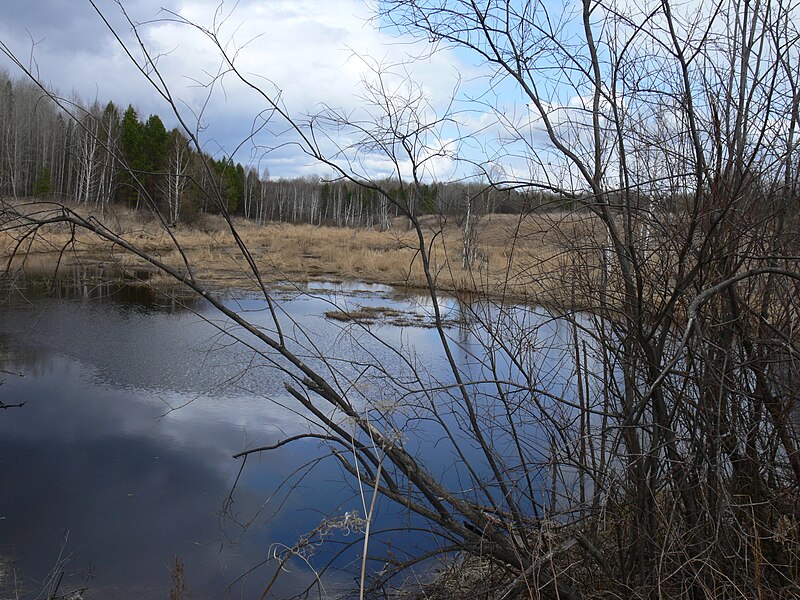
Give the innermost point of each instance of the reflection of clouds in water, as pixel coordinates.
(216, 426)
(134, 488)
(104, 376)
(128, 502)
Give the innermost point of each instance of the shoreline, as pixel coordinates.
(522, 259)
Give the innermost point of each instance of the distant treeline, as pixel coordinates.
(101, 155)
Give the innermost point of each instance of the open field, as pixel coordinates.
(523, 257)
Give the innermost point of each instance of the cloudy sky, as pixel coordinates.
(312, 54)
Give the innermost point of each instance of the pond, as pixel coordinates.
(120, 459)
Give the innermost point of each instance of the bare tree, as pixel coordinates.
(660, 458)
(176, 179)
(672, 128)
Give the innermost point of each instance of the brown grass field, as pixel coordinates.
(525, 257)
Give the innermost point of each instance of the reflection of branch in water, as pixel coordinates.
(56, 575)
(4, 405)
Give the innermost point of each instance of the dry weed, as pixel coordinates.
(522, 257)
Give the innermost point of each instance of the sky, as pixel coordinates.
(311, 54)
(318, 59)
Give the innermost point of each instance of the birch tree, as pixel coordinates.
(176, 178)
(660, 458)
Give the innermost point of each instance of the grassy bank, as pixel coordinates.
(522, 257)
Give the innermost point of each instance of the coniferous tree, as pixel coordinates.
(155, 144)
(132, 146)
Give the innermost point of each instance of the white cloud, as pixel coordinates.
(315, 53)
(308, 53)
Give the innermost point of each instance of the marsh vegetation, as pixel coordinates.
(526, 256)
(642, 440)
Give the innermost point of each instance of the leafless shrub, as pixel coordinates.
(647, 447)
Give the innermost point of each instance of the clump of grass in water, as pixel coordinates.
(179, 590)
(365, 314)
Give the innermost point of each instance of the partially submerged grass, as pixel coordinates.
(522, 257)
(365, 314)
(383, 315)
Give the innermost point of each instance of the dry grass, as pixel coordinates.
(521, 257)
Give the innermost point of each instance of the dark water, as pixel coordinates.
(121, 457)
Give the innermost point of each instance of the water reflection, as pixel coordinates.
(134, 406)
(136, 402)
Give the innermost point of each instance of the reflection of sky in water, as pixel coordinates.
(98, 451)
(133, 487)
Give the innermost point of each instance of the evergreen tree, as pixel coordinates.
(155, 144)
(43, 186)
(133, 154)
(155, 141)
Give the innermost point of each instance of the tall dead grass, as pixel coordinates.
(526, 257)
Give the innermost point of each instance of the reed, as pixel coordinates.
(519, 256)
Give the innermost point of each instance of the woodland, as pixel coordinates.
(663, 461)
(45, 153)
